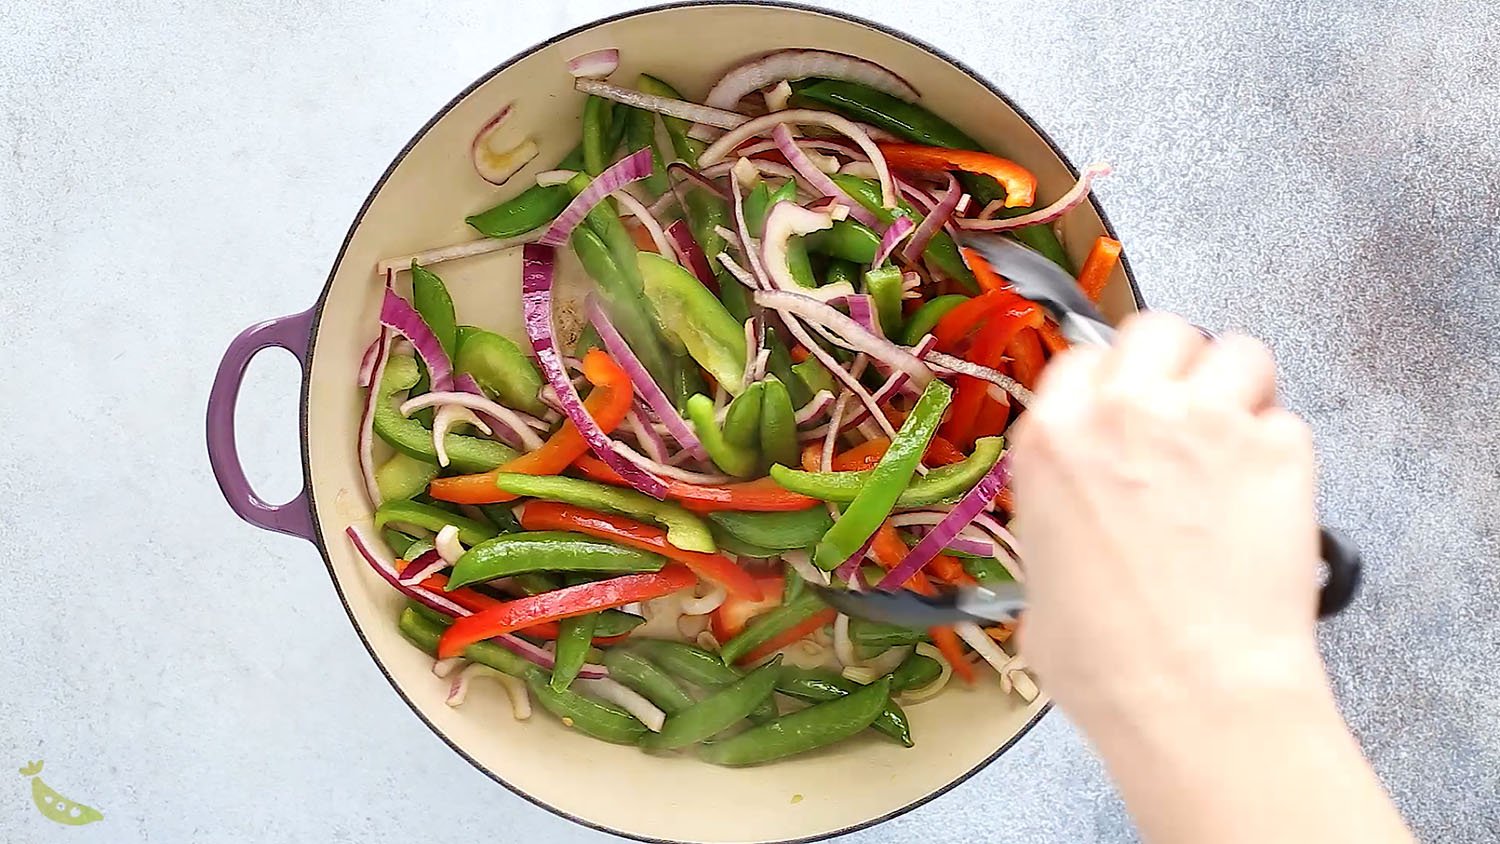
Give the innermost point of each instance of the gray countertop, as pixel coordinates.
(1323, 175)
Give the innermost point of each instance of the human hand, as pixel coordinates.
(1165, 505)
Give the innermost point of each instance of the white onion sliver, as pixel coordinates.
(367, 418)
(843, 648)
(448, 416)
(706, 604)
(516, 422)
(930, 690)
(444, 667)
(447, 544)
(644, 710)
(815, 407)
(723, 146)
(469, 249)
(662, 105)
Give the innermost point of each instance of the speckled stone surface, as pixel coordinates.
(1325, 175)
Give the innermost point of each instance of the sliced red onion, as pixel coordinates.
(791, 65)
(752, 255)
(510, 420)
(448, 416)
(690, 255)
(645, 434)
(725, 145)
(831, 439)
(788, 220)
(367, 417)
(553, 178)
(367, 362)
(376, 555)
(898, 230)
(849, 570)
(1067, 202)
(424, 566)
(816, 406)
(595, 65)
(398, 315)
(652, 226)
(855, 336)
(896, 383)
(761, 167)
(515, 689)
(646, 387)
(859, 169)
(469, 249)
(834, 146)
(984, 537)
(496, 164)
(701, 180)
(778, 97)
(605, 689)
(983, 373)
(631, 168)
(536, 302)
(862, 311)
(820, 181)
(973, 502)
(937, 217)
(662, 105)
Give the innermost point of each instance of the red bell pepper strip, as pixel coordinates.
(989, 280)
(867, 454)
(762, 495)
(476, 601)
(789, 636)
(948, 645)
(1026, 357)
(568, 602)
(1019, 183)
(715, 568)
(988, 350)
(729, 620)
(1094, 276)
(948, 569)
(607, 405)
(959, 323)
(1053, 339)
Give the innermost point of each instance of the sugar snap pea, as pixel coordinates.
(819, 685)
(718, 712)
(547, 550)
(814, 727)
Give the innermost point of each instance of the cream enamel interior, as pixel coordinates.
(422, 205)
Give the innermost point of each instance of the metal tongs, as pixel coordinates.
(1037, 278)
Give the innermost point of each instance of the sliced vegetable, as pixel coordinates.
(684, 530)
(811, 728)
(547, 550)
(941, 484)
(691, 312)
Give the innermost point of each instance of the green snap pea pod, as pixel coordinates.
(640, 133)
(942, 252)
(588, 339)
(470, 531)
(530, 209)
(941, 484)
(410, 437)
(815, 375)
(795, 586)
(398, 542)
(778, 531)
(501, 516)
(742, 417)
(418, 548)
(884, 286)
(596, 129)
(846, 240)
(548, 550)
(841, 271)
(616, 130)
(684, 529)
(641, 675)
(779, 364)
(819, 685)
(431, 299)
(985, 569)
(591, 717)
(688, 149)
(717, 712)
(926, 318)
(740, 461)
(535, 583)
(732, 544)
(423, 628)
(756, 204)
(625, 304)
(771, 624)
(917, 671)
(500, 366)
(876, 635)
(698, 667)
(575, 637)
(705, 214)
(735, 296)
(690, 313)
(916, 123)
(404, 476)
(887, 480)
(816, 726)
(778, 424)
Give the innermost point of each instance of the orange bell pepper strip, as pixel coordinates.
(867, 454)
(1019, 183)
(1053, 339)
(948, 569)
(762, 495)
(567, 602)
(642, 238)
(989, 280)
(715, 568)
(1004, 500)
(800, 354)
(789, 636)
(949, 646)
(475, 601)
(607, 404)
(988, 350)
(1099, 266)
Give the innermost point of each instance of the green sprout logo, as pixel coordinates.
(54, 806)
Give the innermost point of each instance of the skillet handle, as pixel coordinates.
(1344, 567)
(293, 333)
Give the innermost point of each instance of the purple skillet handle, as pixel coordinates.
(293, 333)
